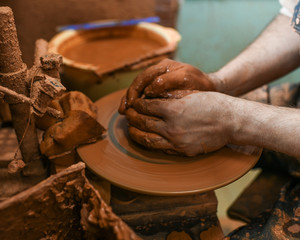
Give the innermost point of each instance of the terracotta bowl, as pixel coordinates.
(104, 71)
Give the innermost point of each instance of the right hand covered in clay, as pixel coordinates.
(167, 79)
(206, 121)
(198, 123)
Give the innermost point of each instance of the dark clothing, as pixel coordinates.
(282, 220)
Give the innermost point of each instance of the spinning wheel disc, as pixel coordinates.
(126, 164)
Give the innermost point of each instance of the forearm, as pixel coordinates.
(272, 55)
(270, 127)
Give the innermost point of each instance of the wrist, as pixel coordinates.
(251, 122)
(262, 125)
(218, 81)
(234, 119)
(229, 116)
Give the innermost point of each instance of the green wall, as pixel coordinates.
(215, 31)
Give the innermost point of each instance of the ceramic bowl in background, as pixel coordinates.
(98, 79)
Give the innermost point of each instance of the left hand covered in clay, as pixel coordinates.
(197, 123)
(167, 79)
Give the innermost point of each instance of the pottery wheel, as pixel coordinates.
(126, 164)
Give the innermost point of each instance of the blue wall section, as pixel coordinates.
(215, 31)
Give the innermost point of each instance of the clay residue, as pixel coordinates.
(77, 126)
(13, 75)
(10, 55)
(213, 232)
(294, 228)
(64, 206)
(178, 235)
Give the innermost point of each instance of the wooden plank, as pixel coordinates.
(63, 206)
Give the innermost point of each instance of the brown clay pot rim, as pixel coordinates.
(170, 35)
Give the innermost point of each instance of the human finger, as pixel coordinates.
(123, 105)
(167, 82)
(150, 140)
(145, 78)
(144, 122)
(177, 94)
(152, 107)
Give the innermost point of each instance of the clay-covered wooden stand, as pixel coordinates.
(65, 205)
(166, 217)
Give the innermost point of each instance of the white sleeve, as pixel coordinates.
(287, 7)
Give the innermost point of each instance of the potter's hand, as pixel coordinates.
(206, 121)
(166, 79)
(198, 123)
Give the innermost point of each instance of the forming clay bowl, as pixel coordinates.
(128, 165)
(101, 61)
